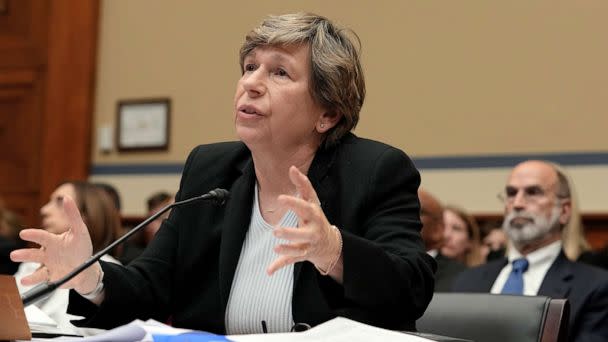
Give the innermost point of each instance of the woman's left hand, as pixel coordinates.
(314, 239)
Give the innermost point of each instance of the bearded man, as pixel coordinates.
(537, 206)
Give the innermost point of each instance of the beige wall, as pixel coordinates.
(473, 189)
(443, 77)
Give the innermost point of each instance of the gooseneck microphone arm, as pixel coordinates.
(218, 196)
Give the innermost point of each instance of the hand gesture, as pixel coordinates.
(60, 253)
(315, 239)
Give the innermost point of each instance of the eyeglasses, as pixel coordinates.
(531, 194)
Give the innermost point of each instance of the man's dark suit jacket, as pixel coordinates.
(585, 287)
(595, 258)
(367, 189)
(447, 271)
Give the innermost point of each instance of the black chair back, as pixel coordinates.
(486, 317)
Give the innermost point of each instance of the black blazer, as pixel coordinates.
(367, 189)
(585, 287)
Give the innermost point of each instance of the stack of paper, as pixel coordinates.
(40, 322)
(149, 331)
(336, 330)
(339, 329)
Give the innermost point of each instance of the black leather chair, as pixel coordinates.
(486, 317)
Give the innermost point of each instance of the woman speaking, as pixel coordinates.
(320, 223)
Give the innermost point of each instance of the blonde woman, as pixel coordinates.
(461, 237)
(573, 233)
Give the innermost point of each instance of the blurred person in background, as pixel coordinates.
(156, 202)
(99, 212)
(538, 199)
(135, 245)
(431, 215)
(573, 233)
(461, 235)
(494, 242)
(111, 191)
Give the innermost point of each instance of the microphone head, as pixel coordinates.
(220, 196)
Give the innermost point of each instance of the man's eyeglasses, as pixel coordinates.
(531, 194)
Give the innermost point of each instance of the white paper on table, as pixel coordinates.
(39, 322)
(137, 330)
(35, 316)
(153, 327)
(339, 329)
(336, 330)
(342, 329)
(274, 337)
(127, 333)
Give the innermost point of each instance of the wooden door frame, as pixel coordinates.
(65, 151)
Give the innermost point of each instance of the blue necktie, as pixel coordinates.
(515, 282)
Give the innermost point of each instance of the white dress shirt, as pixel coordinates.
(255, 296)
(539, 263)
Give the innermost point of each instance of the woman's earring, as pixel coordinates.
(322, 125)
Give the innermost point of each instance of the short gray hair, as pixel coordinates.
(337, 82)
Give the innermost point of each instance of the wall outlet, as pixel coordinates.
(105, 140)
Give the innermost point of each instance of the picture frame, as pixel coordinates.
(143, 124)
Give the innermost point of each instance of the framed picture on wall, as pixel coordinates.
(143, 124)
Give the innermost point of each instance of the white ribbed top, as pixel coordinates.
(255, 296)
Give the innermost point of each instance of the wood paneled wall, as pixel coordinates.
(47, 69)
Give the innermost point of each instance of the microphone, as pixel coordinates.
(217, 196)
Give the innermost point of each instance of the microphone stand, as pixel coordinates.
(218, 196)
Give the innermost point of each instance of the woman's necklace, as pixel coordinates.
(275, 209)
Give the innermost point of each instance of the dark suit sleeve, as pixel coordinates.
(592, 322)
(140, 290)
(386, 268)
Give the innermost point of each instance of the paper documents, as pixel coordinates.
(36, 317)
(336, 330)
(339, 329)
(40, 322)
(148, 331)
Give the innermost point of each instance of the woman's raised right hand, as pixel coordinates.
(59, 254)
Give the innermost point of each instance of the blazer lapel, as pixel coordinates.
(557, 282)
(490, 273)
(234, 227)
